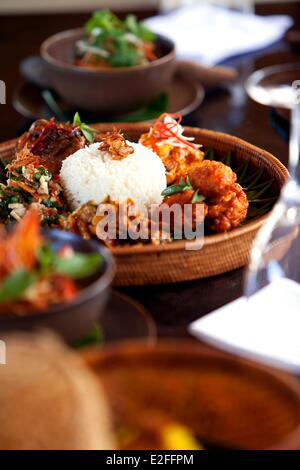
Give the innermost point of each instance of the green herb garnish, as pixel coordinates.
(95, 336)
(178, 188)
(181, 187)
(46, 257)
(88, 132)
(119, 43)
(78, 266)
(15, 284)
(139, 29)
(198, 197)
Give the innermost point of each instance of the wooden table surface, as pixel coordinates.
(172, 306)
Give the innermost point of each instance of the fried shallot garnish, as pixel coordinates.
(115, 144)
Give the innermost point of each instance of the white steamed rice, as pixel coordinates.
(92, 175)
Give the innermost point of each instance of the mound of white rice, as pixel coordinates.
(91, 175)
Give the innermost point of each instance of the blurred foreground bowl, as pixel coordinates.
(75, 319)
(226, 402)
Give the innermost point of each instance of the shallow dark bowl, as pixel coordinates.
(75, 319)
(119, 89)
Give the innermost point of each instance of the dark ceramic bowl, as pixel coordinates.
(113, 90)
(75, 319)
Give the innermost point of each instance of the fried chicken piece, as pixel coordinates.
(227, 202)
(50, 141)
(183, 219)
(212, 179)
(228, 211)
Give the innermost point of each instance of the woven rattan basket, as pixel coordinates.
(171, 262)
(226, 401)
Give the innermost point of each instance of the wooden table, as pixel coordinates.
(172, 306)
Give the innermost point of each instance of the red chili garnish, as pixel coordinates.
(54, 194)
(50, 123)
(67, 287)
(166, 130)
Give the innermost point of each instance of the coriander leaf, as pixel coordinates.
(103, 19)
(122, 41)
(138, 29)
(124, 54)
(15, 284)
(132, 24)
(78, 266)
(146, 34)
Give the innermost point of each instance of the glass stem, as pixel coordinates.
(294, 151)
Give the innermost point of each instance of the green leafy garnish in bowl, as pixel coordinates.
(110, 42)
(34, 276)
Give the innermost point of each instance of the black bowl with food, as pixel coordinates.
(109, 65)
(52, 279)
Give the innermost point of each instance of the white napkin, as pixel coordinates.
(211, 34)
(266, 327)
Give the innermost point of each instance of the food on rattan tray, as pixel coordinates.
(229, 184)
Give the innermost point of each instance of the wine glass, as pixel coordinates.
(275, 255)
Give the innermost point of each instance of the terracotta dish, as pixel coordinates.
(121, 89)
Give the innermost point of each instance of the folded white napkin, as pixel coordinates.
(211, 34)
(266, 327)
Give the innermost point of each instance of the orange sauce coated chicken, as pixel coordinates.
(226, 200)
(178, 153)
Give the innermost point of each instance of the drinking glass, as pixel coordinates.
(275, 256)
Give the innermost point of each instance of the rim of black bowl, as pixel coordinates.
(95, 288)
(68, 66)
